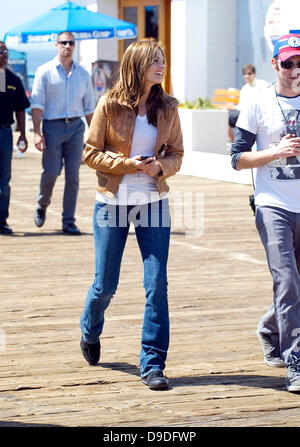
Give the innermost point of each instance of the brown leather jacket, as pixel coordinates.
(109, 142)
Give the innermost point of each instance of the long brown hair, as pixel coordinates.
(129, 87)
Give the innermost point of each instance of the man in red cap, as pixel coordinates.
(272, 121)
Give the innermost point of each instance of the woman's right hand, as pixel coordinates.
(140, 163)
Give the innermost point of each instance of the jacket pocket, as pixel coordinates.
(102, 179)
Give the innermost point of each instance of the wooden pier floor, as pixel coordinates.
(219, 286)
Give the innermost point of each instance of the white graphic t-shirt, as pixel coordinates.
(271, 117)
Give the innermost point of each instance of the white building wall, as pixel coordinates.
(188, 42)
(178, 52)
(203, 47)
(106, 49)
(221, 41)
(87, 49)
(196, 48)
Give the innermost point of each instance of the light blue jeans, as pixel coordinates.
(279, 231)
(64, 146)
(152, 229)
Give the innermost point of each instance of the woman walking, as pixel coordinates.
(134, 144)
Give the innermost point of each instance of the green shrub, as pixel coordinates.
(199, 103)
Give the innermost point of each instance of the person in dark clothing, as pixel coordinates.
(12, 99)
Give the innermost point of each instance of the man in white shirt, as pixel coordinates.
(252, 87)
(272, 120)
(62, 93)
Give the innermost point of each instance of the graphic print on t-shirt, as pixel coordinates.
(288, 168)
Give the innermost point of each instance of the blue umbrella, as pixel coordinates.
(84, 24)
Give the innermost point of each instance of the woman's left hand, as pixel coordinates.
(151, 168)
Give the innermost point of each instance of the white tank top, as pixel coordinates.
(137, 188)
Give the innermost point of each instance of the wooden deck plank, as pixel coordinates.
(219, 286)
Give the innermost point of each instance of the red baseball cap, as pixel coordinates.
(287, 46)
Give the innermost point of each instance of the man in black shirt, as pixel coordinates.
(12, 99)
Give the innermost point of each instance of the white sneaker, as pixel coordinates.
(271, 357)
(292, 380)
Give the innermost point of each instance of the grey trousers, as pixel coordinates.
(64, 146)
(279, 231)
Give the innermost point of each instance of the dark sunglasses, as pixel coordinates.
(287, 65)
(3, 52)
(65, 42)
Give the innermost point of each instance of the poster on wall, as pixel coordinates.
(283, 17)
(104, 74)
(272, 23)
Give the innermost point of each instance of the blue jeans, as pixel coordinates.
(152, 229)
(6, 150)
(64, 146)
(279, 231)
